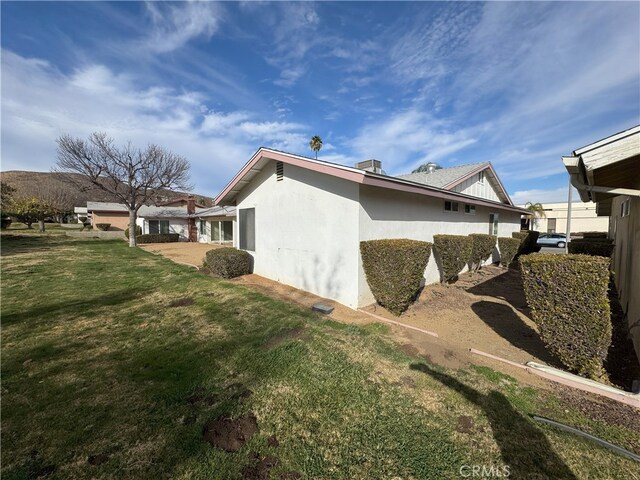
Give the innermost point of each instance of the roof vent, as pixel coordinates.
(432, 167)
(279, 171)
(372, 165)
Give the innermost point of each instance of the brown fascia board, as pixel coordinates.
(359, 176)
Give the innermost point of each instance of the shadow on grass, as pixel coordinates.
(523, 447)
(74, 308)
(502, 320)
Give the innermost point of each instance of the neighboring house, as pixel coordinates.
(216, 225)
(583, 218)
(607, 173)
(303, 219)
(115, 214)
(192, 223)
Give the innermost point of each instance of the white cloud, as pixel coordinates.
(536, 195)
(40, 103)
(173, 25)
(408, 136)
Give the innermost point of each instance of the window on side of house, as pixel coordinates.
(203, 227)
(247, 217)
(227, 231)
(481, 177)
(469, 209)
(158, 227)
(625, 208)
(493, 224)
(450, 206)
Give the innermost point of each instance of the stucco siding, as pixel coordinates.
(471, 186)
(626, 261)
(306, 231)
(118, 221)
(386, 214)
(176, 225)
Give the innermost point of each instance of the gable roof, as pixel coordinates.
(449, 178)
(443, 176)
(363, 177)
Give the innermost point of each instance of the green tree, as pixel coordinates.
(31, 210)
(315, 144)
(537, 211)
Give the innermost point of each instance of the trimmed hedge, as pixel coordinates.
(482, 246)
(138, 231)
(228, 262)
(103, 226)
(528, 241)
(394, 269)
(158, 238)
(598, 235)
(568, 298)
(600, 247)
(454, 252)
(508, 249)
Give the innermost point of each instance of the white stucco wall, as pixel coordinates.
(306, 231)
(388, 214)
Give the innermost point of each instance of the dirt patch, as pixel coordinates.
(409, 349)
(98, 459)
(181, 302)
(465, 424)
(260, 469)
(277, 340)
(202, 397)
(186, 253)
(290, 476)
(230, 434)
(272, 441)
(601, 409)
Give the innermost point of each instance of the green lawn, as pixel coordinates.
(114, 360)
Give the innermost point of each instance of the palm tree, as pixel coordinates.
(537, 211)
(315, 144)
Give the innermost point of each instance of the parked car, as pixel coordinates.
(552, 240)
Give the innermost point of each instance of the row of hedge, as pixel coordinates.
(595, 246)
(158, 238)
(568, 298)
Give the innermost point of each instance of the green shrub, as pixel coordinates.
(482, 246)
(228, 262)
(600, 235)
(103, 226)
(454, 252)
(138, 231)
(528, 241)
(158, 238)
(394, 270)
(508, 249)
(601, 247)
(568, 298)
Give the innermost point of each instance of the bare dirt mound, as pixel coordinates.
(260, 469)
(229, 434)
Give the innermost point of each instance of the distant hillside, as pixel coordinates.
(27, 184)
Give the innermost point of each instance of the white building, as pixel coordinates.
(303, 219)
(583, 218)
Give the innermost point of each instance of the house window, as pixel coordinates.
(469, 209)
(222, 231)
(203, 227)
(625, 208)
(247, 218)
(551, 225)
(450, 206)
(493, 224)
(481, 177)
(158, 227)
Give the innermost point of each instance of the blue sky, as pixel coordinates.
(517, 84)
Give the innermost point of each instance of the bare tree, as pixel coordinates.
(131, 175)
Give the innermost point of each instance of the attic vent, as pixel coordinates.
(279, 171)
